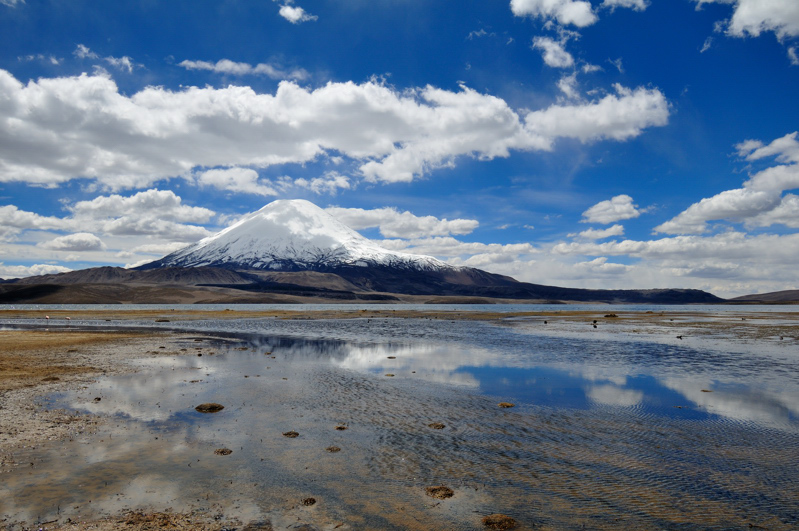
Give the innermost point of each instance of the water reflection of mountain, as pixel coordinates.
(647, 377)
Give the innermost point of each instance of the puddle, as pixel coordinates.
(602, 435)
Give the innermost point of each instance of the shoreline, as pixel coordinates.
(739, 324)
(35, 363)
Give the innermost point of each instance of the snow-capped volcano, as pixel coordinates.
(292, 235)
(293, 248)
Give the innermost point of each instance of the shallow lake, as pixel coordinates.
(605, 432)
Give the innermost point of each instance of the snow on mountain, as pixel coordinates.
(292, 235)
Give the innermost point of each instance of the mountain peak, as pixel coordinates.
(291, 235)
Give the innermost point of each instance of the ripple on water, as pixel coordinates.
(601, 456)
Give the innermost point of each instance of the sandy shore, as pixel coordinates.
(43, 360)
(38, 362)
(35, 362)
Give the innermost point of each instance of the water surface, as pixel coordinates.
(605, 433)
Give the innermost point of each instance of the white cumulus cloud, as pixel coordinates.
(618, 116)
(295, 15)
(576, 12)
(131, 227)
(637, 5)
(58, 129)
(759, 202)
(753, 17)
(395, 224)
(785, 149)
(13, 218)
(161, 203)
(19, 271)
(240, 180)
(331, 182)
(785, 213)
(618, 208)
(80, 241)
(553, 52)
(599, 234)
(736, 205)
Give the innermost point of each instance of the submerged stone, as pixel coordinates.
(210, 407)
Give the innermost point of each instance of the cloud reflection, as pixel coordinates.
(612, 395)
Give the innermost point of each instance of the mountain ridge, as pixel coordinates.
(292, 250)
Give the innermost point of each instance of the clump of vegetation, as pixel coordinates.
(441, 492)
(499, 521)
(210, 407)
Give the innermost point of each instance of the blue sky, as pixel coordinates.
(602, 144)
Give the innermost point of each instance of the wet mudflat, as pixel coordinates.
(603, 433)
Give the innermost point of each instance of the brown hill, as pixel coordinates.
(790, 296)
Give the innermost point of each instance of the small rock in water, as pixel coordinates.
(441, 492)
(210, 407)
(499, 521)
(308, 502)
(291, 434)
(506, 404)
(333, 449)
(341, 428)
(223, 451)
(436, 426)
